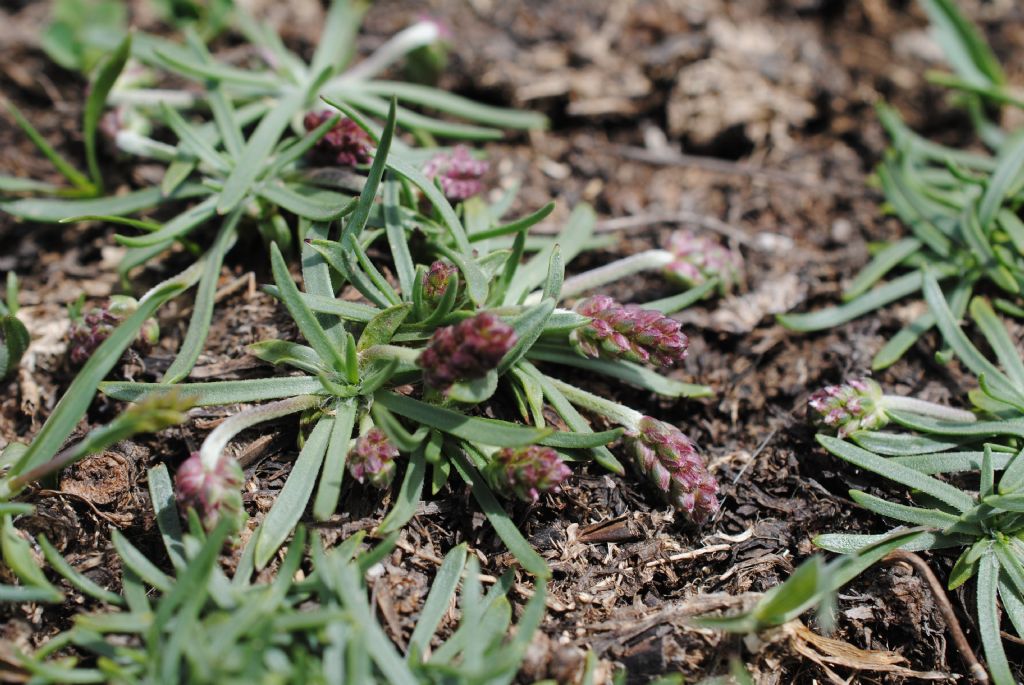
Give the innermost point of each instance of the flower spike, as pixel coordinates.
(671, 463)
(214, 493)
(628, 332)
(527, 472)
(373, 459)
(855, 405)
(345, 144)
(458, 173)
(465, 351)
(698, 259)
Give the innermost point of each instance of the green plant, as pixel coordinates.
(960, 206)
(987, 524)
(196, 624)
(14, 337)
(471, 326)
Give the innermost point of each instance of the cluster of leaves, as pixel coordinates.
(199, 625)
(359, 352)
(960, 206)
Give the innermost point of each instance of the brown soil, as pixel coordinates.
(749, 119)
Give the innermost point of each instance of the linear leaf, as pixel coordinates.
(219, 393)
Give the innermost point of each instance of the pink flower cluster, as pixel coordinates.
(436, 280)
(465, 351)
(628, 332)
(88, 331)
(373, 459)
(851, 406)
(458, 173)
(526, 472)
(345, 144)
(213, 493)
(671, 463)
(698, 259)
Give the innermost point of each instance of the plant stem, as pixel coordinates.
(609, 273)
(402, 43)
(629, 418)
(403, 354)
(217, 440)
(923, 408)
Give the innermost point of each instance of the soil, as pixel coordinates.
(751, 120)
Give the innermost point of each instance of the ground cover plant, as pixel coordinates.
(467, 385)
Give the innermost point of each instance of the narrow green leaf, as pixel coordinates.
(328, 493)
(901, 512)
(66, 169)
(881, 264)
(442, 591)
(988, 620)
(529, 327)
(303, 316)
(257, 149)
(292, 500)
(455, 104)
(161, 492)
(95, 102)
(137, 563)
(218, 393)
(531, 561)
(78, 580)
(202, 308)
(397, 239)
(408, 498)
(910, 478)
(485, 431)
(52, 210)
(830, 317)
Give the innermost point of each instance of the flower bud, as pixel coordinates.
(88, 331)
(373, 459)
(628, 332)
(213, 493)
(852, 406)
(671, 463)
(436, 280)
(698, 259)
(465, 351)
(526, 472)
(458, 173)
(345, 144)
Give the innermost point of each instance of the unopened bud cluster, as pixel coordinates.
(465, 351)
(668, 459)
(698, 259)
(345, 144)
(436, 280)
(851, 406)
(526, 472)
(89, 330)
(628, 332)
(458, 173)
(373, 459)
(214, 493)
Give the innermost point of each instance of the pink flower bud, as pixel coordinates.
(213, 493)
(458, 172)
(852, 406)
(526, 472)
(699, 259)
(373, 459)
(345, 144)
(670, 462)
(436, 280)
(628, 332)
(89, 330)
(465, 351)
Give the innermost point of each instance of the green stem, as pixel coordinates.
(629, 418)
(408, 355)
(923, 408)
(217, 440)
(609, 273)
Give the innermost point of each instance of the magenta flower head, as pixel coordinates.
(436, 280)
(89, 330)
(373, 459)
(526, 472)
(465, 351)
(854, 405)
(213, 493)
(628, 332)
(458, 173)
(346, 144)
(671, 463)
(698, 259)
